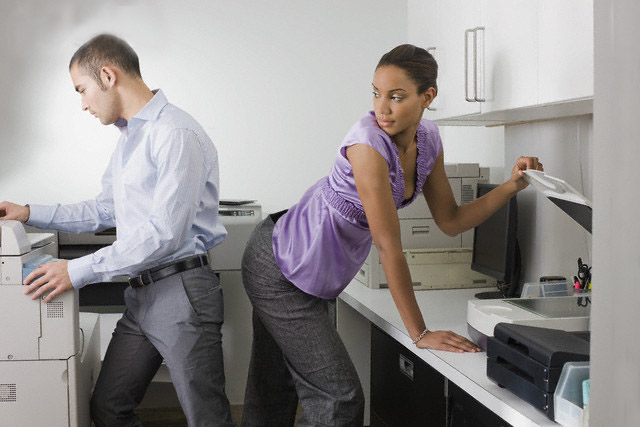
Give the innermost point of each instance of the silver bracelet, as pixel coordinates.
(420, 336)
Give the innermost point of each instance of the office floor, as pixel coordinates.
(174, 417)
(163, 417)
(160, 407)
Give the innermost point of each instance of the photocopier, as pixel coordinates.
(49, 356)
(529, 340)
(436, 261)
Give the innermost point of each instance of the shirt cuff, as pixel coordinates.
(80, 271)
(41, 216)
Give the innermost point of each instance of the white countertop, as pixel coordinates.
(445, 309)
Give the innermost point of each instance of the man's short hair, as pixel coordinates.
(106, 50)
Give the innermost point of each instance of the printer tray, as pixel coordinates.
(549, 347)
(513, 380)
(543, 377)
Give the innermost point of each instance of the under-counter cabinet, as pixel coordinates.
(503, 55)
(465, 411)
(407, 392)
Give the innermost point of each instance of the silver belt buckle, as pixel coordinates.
(144, 274)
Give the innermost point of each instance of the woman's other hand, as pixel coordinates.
(447, 341)
(522, 164)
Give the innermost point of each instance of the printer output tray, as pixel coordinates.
(550, 347)
(528, 360)
(543, 377)
(513, 380)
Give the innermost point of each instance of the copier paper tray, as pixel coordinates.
(528, 360)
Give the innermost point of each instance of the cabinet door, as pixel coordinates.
(510, 77)
(565, 52)
(455, 18)
(424, 31)
(464, 411)
(405, 390)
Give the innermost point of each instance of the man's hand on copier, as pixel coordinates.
(51, 278)
(15, 212)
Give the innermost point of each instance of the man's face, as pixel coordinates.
(101, 102)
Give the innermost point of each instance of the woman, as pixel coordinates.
(296, 260)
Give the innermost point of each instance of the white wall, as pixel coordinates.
(550, 240)
(471, 144)
(276, 85)
(615, 372)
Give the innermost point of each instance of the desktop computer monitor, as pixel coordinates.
(495, 248)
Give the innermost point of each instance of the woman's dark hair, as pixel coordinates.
(419, 65)
(106, 49)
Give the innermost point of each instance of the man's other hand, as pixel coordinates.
(10, 210)
(51, 277)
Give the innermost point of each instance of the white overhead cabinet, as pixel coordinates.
(565, 50)
(424, 31)
(504, 61)
(510, 69)
(455, 19)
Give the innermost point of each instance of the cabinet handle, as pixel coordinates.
(469, 66)
(406, 367)
(478, 70)
(431, 50)
(419, 230)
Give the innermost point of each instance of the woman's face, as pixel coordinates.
(397, 104)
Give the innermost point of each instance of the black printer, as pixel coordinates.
(528, 360)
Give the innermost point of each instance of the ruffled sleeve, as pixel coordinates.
(367, 132)
(373, 140)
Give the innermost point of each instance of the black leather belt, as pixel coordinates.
(147, 277)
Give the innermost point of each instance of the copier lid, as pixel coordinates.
(13, 238)
(562, 195)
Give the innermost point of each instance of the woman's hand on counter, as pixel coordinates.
(447, 341)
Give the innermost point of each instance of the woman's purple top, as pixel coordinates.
(323, 240)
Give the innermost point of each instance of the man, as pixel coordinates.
(161, 192)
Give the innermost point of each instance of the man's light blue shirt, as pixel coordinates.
(160, 191)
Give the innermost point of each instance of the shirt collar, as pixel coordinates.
(149, 112)
(153, 107)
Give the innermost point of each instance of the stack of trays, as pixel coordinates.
(528, 361)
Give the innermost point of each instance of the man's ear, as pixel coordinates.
(108, 76)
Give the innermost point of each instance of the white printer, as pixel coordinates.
(436, 261)
(239, 218)
(46, 369)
